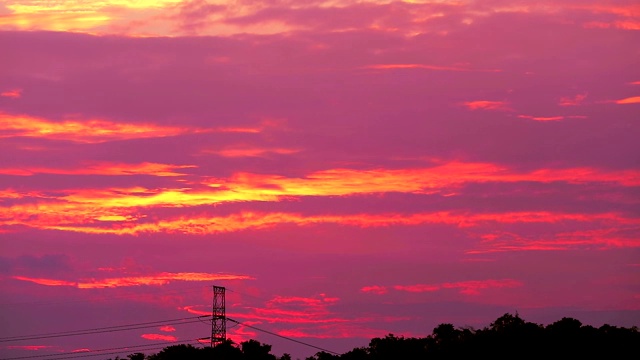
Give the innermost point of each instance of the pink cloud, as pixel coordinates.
(473, 287)
(595, 239)
(160, 337)
(486, 105)
(424, 67)
(417, 288)
(629, 100)
(259, 221)
(375, 289)
(111, 169)
(155, 279)
(167, 328)
(14, 94)
(573, 100)
(29, 347)
(541, 118)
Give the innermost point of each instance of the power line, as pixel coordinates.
(84, 353)
(284, 337)
(134, 326)
(92, 351)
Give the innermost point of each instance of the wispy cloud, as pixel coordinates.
(426, 67)
(629, 100)
(155, 280)
(575, 100)
(472, 287)
(110, 169)
(487, 105)
(78, 210)
(594, 239)
(254, 221)
(14, 94)
(375, 289)
(29, 347)
(83, 131)
(160, 337)
(237, 152)
(541, 118)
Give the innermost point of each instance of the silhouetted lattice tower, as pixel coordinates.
(218, 320)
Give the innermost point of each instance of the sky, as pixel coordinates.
(346, 169)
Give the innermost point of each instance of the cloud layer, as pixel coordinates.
(345, 168)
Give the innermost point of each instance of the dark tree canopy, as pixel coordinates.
(508, 337)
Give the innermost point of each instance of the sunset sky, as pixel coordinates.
(345, 168)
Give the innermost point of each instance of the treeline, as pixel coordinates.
(508, 337)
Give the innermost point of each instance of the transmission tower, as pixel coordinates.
(218, 320)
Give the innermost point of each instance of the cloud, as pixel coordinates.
(29, 347)
(472, 287)
(160, 337)
(594, 239)
(629, 100)
(375, 289)
(572, 100)
(196, 17)
(109, 169)
(167, 328)
(541, 118)
(13, 94)
(254, 221)
(299, 316)
(89, 210)
(83, 131)
(46, 263)
(424, 67)
(234, 152)
(149, 280)
(487, 105)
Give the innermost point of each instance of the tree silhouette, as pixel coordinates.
(507, 337)
(254, 350)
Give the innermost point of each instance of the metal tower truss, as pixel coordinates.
(219, 319)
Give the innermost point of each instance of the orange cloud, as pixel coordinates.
(159, 337)
(46, 282)
(112, 169)
(251, 152)
(572, 100)
(486, 105)
(375, 289)
(84, 131)
(253, 220)
(29, 347)
(166, 17)
(88, 210)
(14, 94)
(472, 287)
(619, 24)
(424, 67)
(600, 239)
(629, 100)
(157, 279)
(294, 310)
(541, 118)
